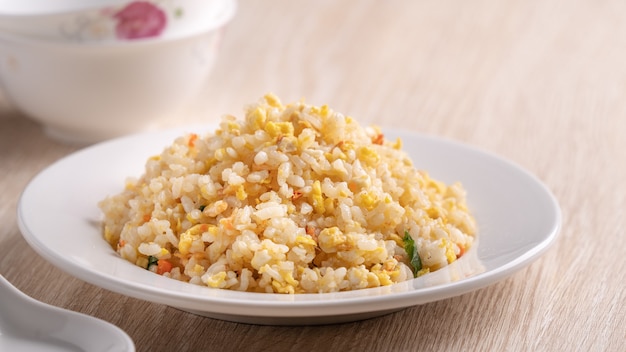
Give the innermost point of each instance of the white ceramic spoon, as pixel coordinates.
(29, 325)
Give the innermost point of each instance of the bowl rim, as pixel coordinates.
(225, 8)
(38, 12)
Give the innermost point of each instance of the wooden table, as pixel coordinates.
(542, 83)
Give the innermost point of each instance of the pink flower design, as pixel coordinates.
(139, 19)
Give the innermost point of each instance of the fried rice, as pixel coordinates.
(291, 199)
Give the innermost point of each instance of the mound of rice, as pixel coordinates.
(292, 199)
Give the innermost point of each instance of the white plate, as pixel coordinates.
(518, 218)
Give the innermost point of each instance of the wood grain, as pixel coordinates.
(542, 83)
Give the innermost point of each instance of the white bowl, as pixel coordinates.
(86, 92)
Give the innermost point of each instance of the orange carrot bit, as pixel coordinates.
(310, 230)
(163, 266)
(338, 145)
(461, 250)
(378, 139)
(227, 223)
(296, 195)
(192, 140)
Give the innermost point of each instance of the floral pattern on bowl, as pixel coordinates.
(135, 20)
(139, 19)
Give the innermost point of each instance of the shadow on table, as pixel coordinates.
(438, 326)
(21, 137)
